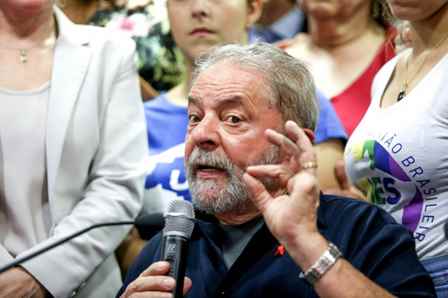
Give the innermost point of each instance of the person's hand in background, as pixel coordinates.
(345, 189)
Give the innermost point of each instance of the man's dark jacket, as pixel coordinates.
(366, 235)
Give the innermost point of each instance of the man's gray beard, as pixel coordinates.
(235, 196)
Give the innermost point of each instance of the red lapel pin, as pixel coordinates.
(280, 251)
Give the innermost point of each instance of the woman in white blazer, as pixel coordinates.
(72, 141)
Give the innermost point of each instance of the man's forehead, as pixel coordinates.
(217, 101)
(227, 81)
(228, 72)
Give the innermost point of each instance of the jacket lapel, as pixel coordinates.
(71, 60)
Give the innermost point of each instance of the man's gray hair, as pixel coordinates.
(291, 84)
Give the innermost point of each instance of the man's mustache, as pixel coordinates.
(200, 159)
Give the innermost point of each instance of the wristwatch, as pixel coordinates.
(323, 264)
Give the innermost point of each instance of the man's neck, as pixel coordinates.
(246, 212)
(237, 217)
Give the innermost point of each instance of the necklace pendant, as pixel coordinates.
(23, 56)
(401, 95)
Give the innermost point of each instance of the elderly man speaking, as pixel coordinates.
(266, 231)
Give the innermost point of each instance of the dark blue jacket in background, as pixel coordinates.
(367, 237)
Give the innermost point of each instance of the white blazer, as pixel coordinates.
(95, 147)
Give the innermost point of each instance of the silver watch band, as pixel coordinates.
(323, 264)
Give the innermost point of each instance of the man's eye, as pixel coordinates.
(233, 119)
(193, 119)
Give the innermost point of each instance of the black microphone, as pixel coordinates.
(153, 221)
(179, 224)
(445, 229)
(149, 221)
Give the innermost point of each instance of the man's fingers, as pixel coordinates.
(303, 183)
(153, 286)
(148, 295)
(283, 142)
(260, 196)
(151, 283)
(157, 268)
(280, 172)
(295, 143)
(307, 154)
(296, 134)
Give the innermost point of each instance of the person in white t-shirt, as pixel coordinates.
(397, 156)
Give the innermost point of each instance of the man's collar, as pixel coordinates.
(209, 219)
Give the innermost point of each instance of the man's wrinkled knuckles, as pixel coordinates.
(131, 288)
(303, 181)
(149, 283)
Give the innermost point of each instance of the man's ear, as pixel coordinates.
(254, 10)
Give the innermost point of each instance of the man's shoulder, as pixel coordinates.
(347, 212)
(331, 203)
(374, 243)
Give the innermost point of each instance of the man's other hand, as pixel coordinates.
(154, 283)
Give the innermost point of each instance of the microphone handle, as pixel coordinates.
(43, 249)
(174, 250)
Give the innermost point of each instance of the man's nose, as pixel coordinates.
(200, 8)
(205, 133)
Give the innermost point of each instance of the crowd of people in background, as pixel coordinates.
(109, 116)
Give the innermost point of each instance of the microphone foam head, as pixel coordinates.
(179, 219)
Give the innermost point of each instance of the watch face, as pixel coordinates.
(323, 264)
